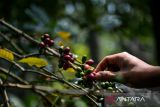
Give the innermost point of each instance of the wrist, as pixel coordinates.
(154, 76)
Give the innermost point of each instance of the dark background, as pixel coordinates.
(131, 24)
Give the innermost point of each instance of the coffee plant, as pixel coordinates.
(83, 85)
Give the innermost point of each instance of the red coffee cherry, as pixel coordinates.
(47, 41)
(91, 76)
(67, 57)
(90, 62)
(70, 54)
(66, 50)
(45, 36)
(42, 45)
(71, 60)
(50, 43)
(66, 66)
(87, 67)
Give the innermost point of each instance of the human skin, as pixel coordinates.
(129, 69)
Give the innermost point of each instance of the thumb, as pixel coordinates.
(104, 76)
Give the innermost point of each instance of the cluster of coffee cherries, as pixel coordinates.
(46, 41)
(86, 68)
(66, 58)
(86, 76)
(85, 72)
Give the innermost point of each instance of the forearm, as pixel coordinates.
(144, 77)
(153, 77)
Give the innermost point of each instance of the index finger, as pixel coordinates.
(111, 59)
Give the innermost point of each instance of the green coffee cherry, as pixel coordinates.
(60, 50)
(103, 85)
(78, 69)
(61, 63)
(82, 74)
(84, 58)
(110, 88)
(111, 84)
(87, 72)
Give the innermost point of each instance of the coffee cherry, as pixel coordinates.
(107, 83)
(60, 50)
(100, 99)
(42, 38)
(66, 66)
(103, 85)
(110, 88)
(67, 57)
(78, 69)
(42, 45)
(45, 36)
(61, 63)
(87, 71)
(90, 62)
(91, 76)
(81, 74)
(50, 43)
(47, 41)
(87, 67)
(71, 60)
(84, 58)
(111, 84)
(66, 50)
(70, 54)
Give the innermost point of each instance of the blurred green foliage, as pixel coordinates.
(125, 19)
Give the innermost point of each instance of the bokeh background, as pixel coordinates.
(98, 27)
(102, 26)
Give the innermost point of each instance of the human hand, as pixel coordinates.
(125, 68)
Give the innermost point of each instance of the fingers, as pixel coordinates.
(104, 76)
(102, 65)
(115, 59)
(110, 76)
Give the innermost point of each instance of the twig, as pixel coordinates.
(75, 92)
(4, 93)
(40, 73)
(74, 86)
(54, 102)
(17, 31)
(43, 95)
(30, 55)
(54, 52)
(13, 76)
(28, 37)
(24, 82)
(11, 42)
(24, 56)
